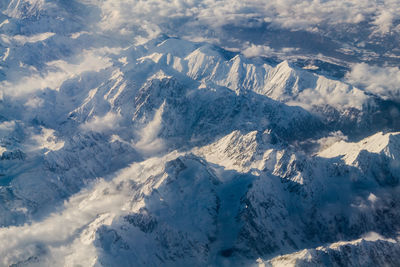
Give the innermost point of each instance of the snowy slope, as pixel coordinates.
(362, 252)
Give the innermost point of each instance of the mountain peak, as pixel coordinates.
(386, 143)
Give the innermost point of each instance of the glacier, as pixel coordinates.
(131, 136)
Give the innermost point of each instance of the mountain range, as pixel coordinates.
(141, 147)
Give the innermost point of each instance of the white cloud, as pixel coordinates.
(6, 21)
(333, 138)
(34, 102)
(60, 236)
(110, 121)
(22, 39)
(330, 92)
(340, 99)
(149, 142)
(65, 238)
(257, 51)
(47, 140)
(382, 81)
(6, 127)
(384, 21)
(204, 18)
(54, 78)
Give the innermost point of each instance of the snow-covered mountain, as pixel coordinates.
(131, 140)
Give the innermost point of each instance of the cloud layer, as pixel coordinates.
(381, 81)
(169, 16)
